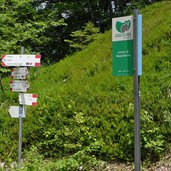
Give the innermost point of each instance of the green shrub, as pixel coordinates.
(84, 111)
(81, 38)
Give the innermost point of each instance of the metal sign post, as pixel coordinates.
(127, 60)
(20, 127)
(137, 145)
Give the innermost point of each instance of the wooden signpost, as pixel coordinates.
(20, 84)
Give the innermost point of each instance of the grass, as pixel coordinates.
(84, 112)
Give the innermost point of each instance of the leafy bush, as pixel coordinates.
(85, 115)
(81, 38)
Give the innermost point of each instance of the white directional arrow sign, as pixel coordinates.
(14, 112)
(19, 73)
(28, 99)
(21, 60)
(19, 86)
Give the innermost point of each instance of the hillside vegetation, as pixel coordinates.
(85, 115)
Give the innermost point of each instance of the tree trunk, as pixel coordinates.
(91, 12)
(110, 9)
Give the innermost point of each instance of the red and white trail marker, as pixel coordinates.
(21, 60)
(19, 73)
(19, 85)
(28, 99)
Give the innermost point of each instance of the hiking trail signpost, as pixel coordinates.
(127, 60)
(20, 84)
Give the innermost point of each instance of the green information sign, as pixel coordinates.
(122, 46)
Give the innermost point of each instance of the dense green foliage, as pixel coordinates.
(85, 114)
(42, 26)
(81, 38)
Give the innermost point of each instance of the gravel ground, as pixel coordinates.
(163, 165)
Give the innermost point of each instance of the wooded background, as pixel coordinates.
(54, 28)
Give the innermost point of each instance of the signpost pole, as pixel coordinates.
(137, 146)
(127, 60)
(20, 127)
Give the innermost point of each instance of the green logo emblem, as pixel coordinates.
(123, 27)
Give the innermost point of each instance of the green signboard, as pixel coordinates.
(122, 46)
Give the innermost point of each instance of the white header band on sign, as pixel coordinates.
(122, 28)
